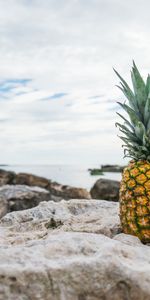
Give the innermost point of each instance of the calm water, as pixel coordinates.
(69, 175)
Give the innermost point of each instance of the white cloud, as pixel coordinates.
(67, 46)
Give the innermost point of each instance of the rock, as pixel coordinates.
(6, 177)
(20, 197)
(31, 180)
(4, 208)
(55, 198)
(68, 192)
(58, 191)
(128, 239)
(73, 215)
(41, 261)
(106, 189)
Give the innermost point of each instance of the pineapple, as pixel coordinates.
(135, 184)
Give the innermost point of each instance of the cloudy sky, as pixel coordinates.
(57, 87)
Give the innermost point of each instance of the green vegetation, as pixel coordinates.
(53, 224)
(95, 172)
(136, 129)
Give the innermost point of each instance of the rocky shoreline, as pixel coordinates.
(72, 249)
(56, 189)
(100, 189)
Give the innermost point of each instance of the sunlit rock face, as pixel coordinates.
(71, 250)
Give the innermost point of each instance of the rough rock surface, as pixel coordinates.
(68, 192)
(73, 215)
(106, 189)
(19, 197)
(6, 177)
(59, 191)
(128, 239)
(31, 180)
(4, 208)
(92, 261)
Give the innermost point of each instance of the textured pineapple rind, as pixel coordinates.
(135, 200)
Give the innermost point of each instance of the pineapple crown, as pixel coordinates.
(136, 128)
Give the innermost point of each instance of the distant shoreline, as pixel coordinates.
(66, 175)
(4, 165)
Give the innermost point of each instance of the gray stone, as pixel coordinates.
(19, 197)
(128, 239)
(74, 266)
(106, 189)
(68, 192)
(6, 177)
(4, 208)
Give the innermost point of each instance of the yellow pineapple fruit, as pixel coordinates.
(135, 184)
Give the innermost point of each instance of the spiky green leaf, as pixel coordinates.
(147, 110)
(127, 91)
(136, 128)
(139, 88)
(126, 121)
(127, 132)
(148, 85)
(132, 114)
(140, 130)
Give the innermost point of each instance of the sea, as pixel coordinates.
(77, 176)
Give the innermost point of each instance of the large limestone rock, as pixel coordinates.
(73, 215)
(106, 189)
(74, 266)
(71, 250)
